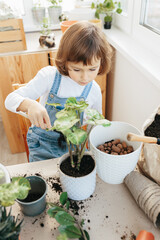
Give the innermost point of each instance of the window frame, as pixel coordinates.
(130, 23)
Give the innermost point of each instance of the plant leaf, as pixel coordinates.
(64, 123)
(63, 198)
(18, 188)
(73, 104)
(71, 231)
(64, 218)
(77, 137)
(62, 237)
(86, 234)
(54, 210)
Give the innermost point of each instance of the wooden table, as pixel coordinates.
(110, 214)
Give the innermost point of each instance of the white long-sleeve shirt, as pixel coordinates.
(40, 86)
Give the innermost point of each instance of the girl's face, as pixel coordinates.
(83, 74)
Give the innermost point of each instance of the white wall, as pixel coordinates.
(134, 95)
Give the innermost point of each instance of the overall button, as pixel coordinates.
(30, 130)
(51, 95)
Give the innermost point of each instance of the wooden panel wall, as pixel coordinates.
(17, 69)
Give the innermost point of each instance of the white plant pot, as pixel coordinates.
(6, 177)
(78, 188)
(54, 13)
(38, 15)
(114, 168)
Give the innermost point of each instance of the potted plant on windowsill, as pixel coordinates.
(77, 168)
(55, 11)
(38, 13)
(46, 39)
(105, 10)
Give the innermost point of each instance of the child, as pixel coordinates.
(82, 54)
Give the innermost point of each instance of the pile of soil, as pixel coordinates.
(86, 167)
(154, 129)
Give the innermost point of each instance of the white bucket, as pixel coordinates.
(114, 168)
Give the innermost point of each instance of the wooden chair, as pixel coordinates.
(23, 121)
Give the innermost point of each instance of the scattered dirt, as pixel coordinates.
(127, 236)
(87, 165)
(154, 129)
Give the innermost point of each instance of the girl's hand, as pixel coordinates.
(36, 112)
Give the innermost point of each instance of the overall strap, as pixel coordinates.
(56, 83)
(86, 90)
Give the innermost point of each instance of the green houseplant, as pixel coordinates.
(54, 11)
(77, 165)
(70, 227)
(105, 11)
(47, 38)
(9, 192)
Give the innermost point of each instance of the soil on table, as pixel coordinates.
(86, 167)
(154, 129)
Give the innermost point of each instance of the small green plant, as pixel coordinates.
(9, 192)
(107, 7)
(9, 226)
(70, 227)
(55, 2)
(68, 122)
(45, 27)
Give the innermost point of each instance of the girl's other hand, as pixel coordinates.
(36, 112)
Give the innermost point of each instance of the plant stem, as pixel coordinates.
(83, 149)
(79, 225)
(71, 156)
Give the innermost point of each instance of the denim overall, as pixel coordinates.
(44, 144)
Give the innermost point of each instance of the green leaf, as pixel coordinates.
(87, 236)
(119, 10)
(54, 210)
(64, 218)
(92, 5)
(63, 198)
(73, 104)
(66, 113)
(78, 136)
(54, 104)
(62, 237)
(64, 123)
(18, 188)
(71, 231)
(67, 205)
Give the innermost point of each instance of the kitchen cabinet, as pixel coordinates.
(21, 69)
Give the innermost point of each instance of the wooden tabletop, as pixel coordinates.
(111, 213)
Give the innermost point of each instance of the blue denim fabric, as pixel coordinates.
(43, 144)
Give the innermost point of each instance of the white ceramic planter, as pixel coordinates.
(79, 188)
(54, 13)
(114, 168)
(6, 177)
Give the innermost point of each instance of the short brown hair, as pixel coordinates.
(82, 42)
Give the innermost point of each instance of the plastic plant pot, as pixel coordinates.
(144, 235)
(35, 203)
(66, 24)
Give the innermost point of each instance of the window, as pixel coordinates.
(141, 21)
(150, 15)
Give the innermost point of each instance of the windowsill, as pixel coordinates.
(145, 60)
